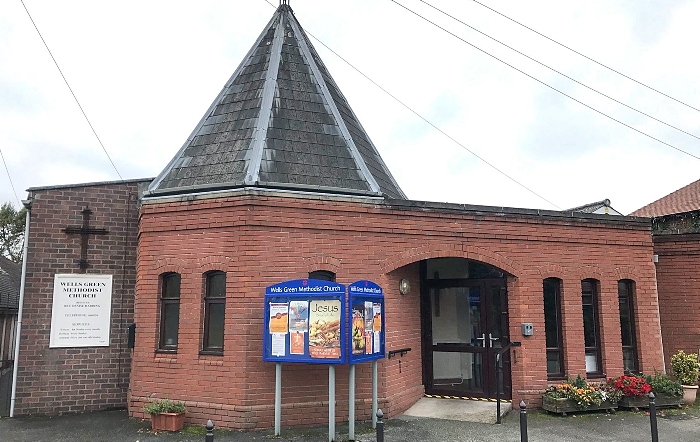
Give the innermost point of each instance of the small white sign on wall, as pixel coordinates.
(82, 305)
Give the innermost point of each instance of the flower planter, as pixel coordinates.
(167, 421)
(662, 400)
(689, 394)
(563, 406)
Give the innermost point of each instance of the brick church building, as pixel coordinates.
(279, 181)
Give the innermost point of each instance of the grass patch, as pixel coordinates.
(194, 430)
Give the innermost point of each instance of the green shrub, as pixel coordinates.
(660, 383)
(685, 368)
(579, 382)
(158, 406)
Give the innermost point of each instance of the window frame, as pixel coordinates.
(165, 301)
(208, 301)
(557, 285)
(595, 299)
(629, 287)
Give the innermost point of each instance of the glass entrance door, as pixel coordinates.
(466, 326)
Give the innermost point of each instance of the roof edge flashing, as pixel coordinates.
(262, 191)
(257, 144)
(211, 188)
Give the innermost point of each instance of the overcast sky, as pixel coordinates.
(145, 72)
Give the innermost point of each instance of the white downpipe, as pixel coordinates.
(18, 331)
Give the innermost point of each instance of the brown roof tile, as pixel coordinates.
(685, 199)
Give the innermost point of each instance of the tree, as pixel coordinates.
(11, 231)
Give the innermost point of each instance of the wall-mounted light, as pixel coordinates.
(404, 286)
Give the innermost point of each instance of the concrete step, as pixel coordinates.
(458, 409)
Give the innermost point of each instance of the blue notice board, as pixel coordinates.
(305, 322)
(366, 322)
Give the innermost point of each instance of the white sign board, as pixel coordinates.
(81, 311)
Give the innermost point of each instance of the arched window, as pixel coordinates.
(625, 291)
(551, 288)
(591, 327)
(169, 310)
(323, 275)
(214, 312)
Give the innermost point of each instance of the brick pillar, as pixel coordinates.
(572, 328)
(610, 334)
(528, 362)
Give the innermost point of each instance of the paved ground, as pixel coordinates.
(484, 412)
(115, 426)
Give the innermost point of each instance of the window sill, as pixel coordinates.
(166, 351)
(211, 353)
(596, 376)
(559, 377)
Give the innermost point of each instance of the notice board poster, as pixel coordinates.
(80, 316)
(324, 331)
(305, 322)
(366, 322)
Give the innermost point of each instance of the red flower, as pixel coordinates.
(631, 385)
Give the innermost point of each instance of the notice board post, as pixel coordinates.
(304, 322)
(366, 322)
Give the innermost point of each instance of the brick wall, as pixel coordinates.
(261, 239)
(678, 276)
(62, 380)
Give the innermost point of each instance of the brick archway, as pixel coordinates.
(450, 251)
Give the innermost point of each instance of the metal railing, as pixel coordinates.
(499, 374)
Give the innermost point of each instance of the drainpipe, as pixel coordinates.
(28, 205)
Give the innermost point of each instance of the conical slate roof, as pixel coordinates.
(280, 122)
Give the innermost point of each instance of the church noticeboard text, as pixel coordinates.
(81, 311)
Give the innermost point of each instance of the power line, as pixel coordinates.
(71, 91)
(10, 178)
(547, 85)
(587, 57)
(428, 121)
(558, 72)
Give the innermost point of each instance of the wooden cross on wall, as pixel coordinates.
(84, 231)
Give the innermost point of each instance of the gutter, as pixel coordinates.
(28, 206)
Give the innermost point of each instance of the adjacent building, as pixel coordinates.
(676, 235)
(10, 277)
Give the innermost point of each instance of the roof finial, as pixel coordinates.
(284, 2)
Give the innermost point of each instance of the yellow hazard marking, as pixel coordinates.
(467, 398)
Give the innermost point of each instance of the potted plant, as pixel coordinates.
(686, 369)
(578, 395)
(166, 415)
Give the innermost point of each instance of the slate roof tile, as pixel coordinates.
(307, 135)
(10, 279)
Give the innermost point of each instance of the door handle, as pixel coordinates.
(491, 339)
(482, 339)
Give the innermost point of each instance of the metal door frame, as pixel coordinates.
(488, 360)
